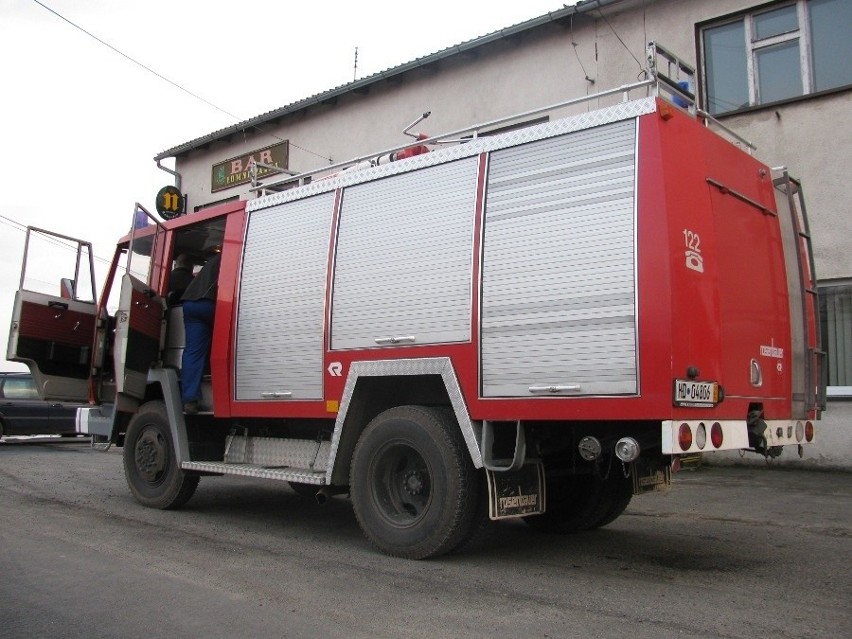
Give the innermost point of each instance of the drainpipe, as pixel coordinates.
(177, 175)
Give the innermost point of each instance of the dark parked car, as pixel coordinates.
(22, 412)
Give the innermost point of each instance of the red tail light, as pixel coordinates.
(809, 431)
(716, 435)
(684, 437)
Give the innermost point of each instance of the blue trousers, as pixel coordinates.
(198, 325)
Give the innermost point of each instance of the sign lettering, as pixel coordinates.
(169, 202)
(236, 171)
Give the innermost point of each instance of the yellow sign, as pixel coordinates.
(169, 202)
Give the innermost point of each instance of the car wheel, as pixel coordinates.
(412, 483)
(150, 464)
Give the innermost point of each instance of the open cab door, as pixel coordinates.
(54, 315)
(140, 318)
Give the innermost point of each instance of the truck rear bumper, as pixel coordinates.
(710, 434)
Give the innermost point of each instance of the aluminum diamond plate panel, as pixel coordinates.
(271, 452)
(247, 470)
(429, 366)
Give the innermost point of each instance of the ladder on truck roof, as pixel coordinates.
(667, 76)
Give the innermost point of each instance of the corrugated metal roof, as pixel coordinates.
(361, 84)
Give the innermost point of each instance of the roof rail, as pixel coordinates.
(470, 132)
(678, 81)
(667, 75)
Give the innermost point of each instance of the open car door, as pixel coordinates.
(54, 315)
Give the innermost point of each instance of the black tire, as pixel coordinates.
(150, 464)
(583, 502)
(412, 483)
(481, 528)
(619, 493)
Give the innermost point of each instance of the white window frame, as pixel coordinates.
(754, 47)
(830, 286)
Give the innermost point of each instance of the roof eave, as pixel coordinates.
(351, 87)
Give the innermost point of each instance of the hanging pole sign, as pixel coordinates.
(170, 202)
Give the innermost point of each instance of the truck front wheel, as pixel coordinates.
(150, 464)
(412, 483)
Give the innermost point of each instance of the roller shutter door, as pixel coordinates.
(282, 300)
(404, 258)
(558, 280)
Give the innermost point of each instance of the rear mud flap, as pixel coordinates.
(516, 493)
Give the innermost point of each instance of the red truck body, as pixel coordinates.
(737, 308)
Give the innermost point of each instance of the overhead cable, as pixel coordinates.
(164, 78)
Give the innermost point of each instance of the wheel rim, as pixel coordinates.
(401, 484)
(151, 454)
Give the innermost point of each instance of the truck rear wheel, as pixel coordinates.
(150, 464)
(583, 502)
(618, 494)
(412, 483)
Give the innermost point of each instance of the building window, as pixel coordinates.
(835, 303)
(776, 53)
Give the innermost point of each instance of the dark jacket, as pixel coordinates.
(179, 279)
(203, 286)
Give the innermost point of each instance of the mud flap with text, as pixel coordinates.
(516, 493)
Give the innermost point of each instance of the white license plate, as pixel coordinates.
(691, 393)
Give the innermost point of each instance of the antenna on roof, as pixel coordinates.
(355, 70)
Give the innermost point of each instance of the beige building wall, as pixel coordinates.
(592, 52)
(511, 78)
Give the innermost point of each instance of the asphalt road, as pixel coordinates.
(728, 552)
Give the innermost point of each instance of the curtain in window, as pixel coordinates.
(836, 312)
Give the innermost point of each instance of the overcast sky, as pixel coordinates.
(80, 123)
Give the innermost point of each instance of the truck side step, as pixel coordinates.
(274, 452)
(297, 460)
(301, 476)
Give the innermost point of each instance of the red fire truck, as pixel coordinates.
(538, 323)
